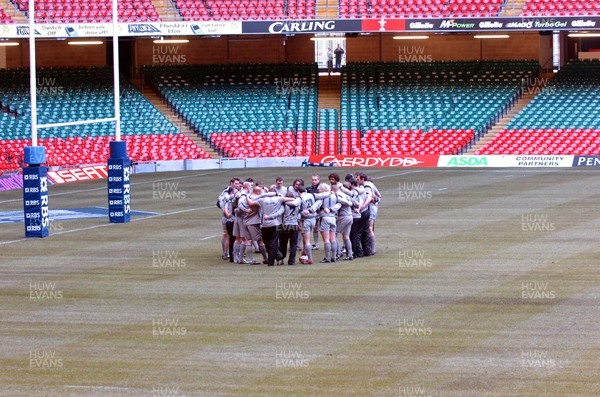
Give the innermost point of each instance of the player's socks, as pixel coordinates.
(348, 245)
(263, 251)
(224, 246)
(250, 254)
(316, 238)
(236, 251)
(327, 250)
(373, 244)
(242, 253)
(308, 250)
(334, 250)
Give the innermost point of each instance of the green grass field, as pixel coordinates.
(485, 283)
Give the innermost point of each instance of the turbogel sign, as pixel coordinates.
(312, 26)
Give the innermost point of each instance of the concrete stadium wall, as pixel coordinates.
(445, 47)
(279, 49)
(56, 53)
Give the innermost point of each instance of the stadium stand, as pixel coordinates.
(419, 9)
(5, 18)
(564, 118)
(67, 95)
(273, 106)
(426, 107)
(561, 8)
(90, 11)
(227, 10)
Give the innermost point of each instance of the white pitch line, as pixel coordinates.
(97, 387)
(104, 187)
(323, 313)
(111, 224)
(209, 237)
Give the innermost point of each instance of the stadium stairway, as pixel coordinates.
(528, 94)
(327, 9)
(166, 10)
(512, 8)
(152, 96)
(16, 15)
(329, 97)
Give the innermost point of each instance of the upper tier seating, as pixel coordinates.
(5, 18)
(90, 11)
(430, 97)
(561, 8)
(228, 10)
(419, 9)
(274, 98)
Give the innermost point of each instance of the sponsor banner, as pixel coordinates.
(400, 161)
(78, 174)
(35, 201)
(200, 28)
(476, 161)
(382, 25)
(578, 161)
(302, 26)
(502, 24)
(11, 182)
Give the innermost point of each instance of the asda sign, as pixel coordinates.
(463, 161)
(517, 161)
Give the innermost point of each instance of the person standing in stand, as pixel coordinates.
(339, 51)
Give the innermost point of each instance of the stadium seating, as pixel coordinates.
(68, 95)
(433, 99)
(242, 99)
(419, 9)
(564, 118)
(5, 18)
(90, 11)
(227, 10)
(95, 150)
(561, 8)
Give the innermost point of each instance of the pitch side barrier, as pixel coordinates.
(62, 175)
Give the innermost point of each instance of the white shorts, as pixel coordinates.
(308, 224)
(327, 224)
(373, 208)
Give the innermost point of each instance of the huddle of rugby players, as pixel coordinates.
(278, 222)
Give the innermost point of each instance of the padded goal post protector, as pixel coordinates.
(35, 201)
(35, 192)
(34, 155)
(119, 195)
